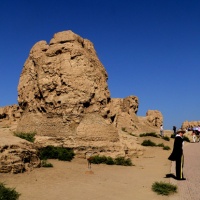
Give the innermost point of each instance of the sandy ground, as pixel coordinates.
(73, 180)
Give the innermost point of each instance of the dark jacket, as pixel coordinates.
(177, 149)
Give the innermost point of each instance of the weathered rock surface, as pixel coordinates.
(16, 155)
(63, 96)
(123, 113)
(61, 82)
(64, 78)
(63, 92)
(10, 114)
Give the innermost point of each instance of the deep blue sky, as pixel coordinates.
(149, 48)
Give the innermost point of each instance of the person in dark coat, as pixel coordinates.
(174, 129)
(177, 154)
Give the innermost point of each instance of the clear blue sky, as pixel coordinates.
(149, 48)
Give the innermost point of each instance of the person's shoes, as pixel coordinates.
(181, 179)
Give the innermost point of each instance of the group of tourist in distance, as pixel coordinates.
(195, 133)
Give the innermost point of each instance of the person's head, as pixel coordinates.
(180, 132)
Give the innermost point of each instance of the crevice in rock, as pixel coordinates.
(23, 105)
(3, 116)
(43, 109)
(86, 104)
(112, 118)
(58, 52)
(44, 50)
(64, 41)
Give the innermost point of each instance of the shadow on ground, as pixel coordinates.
(170, 176)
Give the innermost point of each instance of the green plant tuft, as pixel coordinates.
(148, 143)
(166, 138)
(124, 129)
(161, 145)
(152, 144)
(152, 134)
(8, 193)
(162, 188)
(97, 159)
(172, 136)
(123, 161)
(45, 163)
(166, 148)
(27, 136)
(60, 153)
(110, 161)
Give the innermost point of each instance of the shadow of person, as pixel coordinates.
(170, 176)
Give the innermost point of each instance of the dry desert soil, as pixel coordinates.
(74, 181)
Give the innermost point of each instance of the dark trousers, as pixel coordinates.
(179, 167)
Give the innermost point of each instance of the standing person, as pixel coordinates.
(194, 136)
(177, 154)
(161, 130)
(88, 156)
(174, 129)
(198, 133)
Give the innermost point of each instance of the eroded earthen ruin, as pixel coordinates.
(63, 97)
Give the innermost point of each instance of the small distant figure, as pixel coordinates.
(174, 129)
(88, 156)
(198, 133)
(193, 136)
(161, 131)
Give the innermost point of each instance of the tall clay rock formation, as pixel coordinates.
(63, 79)
(123, 113)
(63, 96)
(63, 91)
